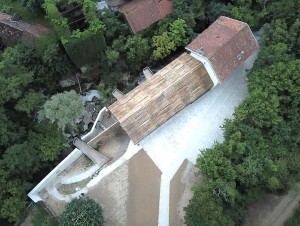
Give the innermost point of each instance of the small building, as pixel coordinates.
(168, 91)
(12, 29)
(223, 46)
(140, 14)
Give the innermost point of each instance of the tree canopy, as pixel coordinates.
(260, 151)
(63, 109)
(82, 212)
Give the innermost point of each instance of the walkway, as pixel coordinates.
(91, 153)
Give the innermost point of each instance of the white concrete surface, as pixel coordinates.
(70, 179)
(195, 127)
(131, 151)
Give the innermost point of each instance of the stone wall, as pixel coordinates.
(13, 31)
(9, 36)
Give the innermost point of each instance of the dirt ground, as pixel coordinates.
(130, 194)
(111, 193)
(180, 191)
(114, 144)
(272, 210)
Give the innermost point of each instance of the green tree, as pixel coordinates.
(82, 212)
(169, 40)
(217, 9)
(219, 172)
(276, 32)
(287, 10)
(205, 210)
(63, 109)
(56, 60)
(272, 54)
(112, 56)
(252, 17)
(178, 32)
(105, 92)
(30, 102)
(14, 79)
(21, 160)
(137, 52)
(163, 45)
(9, 132)
(294, 31)
(48, 141)
(12, 196)
(114, 24)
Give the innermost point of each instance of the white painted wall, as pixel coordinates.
(73, 156)
(207, 66)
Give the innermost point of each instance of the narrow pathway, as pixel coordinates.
(91, 153)
(283, 210)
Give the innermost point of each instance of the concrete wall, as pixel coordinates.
(97, 138)
(73, 156)
(207, 66)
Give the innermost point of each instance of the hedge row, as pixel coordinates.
(82, 47)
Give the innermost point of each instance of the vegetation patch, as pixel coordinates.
(78, 28)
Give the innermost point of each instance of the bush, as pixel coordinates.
(81, 212)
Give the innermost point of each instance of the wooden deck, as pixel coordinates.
(167, 92)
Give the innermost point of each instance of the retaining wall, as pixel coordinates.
(73, 156)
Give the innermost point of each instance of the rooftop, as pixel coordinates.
(140, 14)
(167, 92)
(227, 43)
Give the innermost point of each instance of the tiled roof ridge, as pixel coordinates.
(223, 18)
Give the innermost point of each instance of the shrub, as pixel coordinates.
(81, 212)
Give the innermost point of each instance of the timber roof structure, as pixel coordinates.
(226, 43)
(140, 14)
(167, 92)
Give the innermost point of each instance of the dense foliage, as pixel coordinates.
(27, 148)
(83, 47)
(82, 212)
(260, 152)
(63, 109)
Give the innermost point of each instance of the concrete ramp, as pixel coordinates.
(91, 153)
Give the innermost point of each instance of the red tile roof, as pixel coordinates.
(226, 43)
(140, 14)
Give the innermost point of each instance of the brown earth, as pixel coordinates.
(130, 194)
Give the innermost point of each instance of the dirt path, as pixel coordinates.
(181, 191)
(272, 210)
